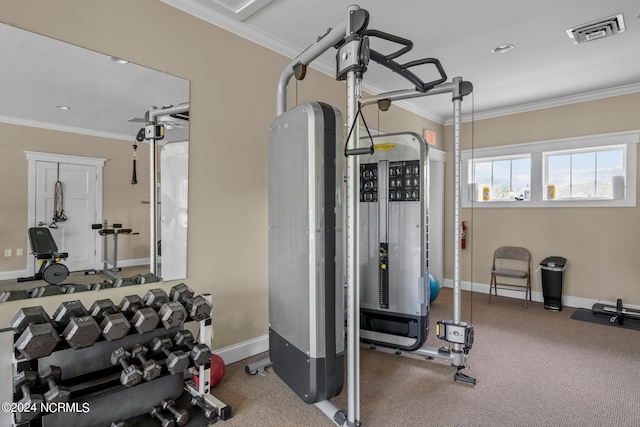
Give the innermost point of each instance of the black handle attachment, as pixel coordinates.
(403, 69)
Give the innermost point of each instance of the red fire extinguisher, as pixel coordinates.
(463, 235)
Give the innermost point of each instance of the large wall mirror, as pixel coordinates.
(69, 120)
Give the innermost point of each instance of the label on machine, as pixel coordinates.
(403, 184)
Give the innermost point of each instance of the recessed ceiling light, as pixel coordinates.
(118, 60)
(505, 48)
(62, 107)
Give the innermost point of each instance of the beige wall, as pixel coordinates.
(600, 244)
(232, 102)
(233, 84)
(121, 200)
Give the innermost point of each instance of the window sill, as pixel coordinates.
(602, 203)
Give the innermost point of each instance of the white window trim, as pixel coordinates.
(536, 149)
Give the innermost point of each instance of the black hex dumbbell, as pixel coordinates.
(38, 337)
(45, 291)
(197, 307)
(31, 402)
(199, 353)
(150, 368)
(57, 393)
(113, 323)
(209, 413)
(144, 319)
(180, 415)
(107, 284)
(177, 361)
(155, 298)
(131, 374)
(80, 330)
(172, 313)
(14, 295)
(165, 422)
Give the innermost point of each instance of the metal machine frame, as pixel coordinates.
(351, 38)
(154, 131)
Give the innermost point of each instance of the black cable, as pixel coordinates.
(353, 125)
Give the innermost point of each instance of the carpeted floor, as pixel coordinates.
(534, 367)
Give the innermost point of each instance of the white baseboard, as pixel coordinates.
(567, 300)
(8, 275)
(133, 262)
(244, 349)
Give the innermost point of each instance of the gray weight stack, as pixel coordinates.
(394, 289)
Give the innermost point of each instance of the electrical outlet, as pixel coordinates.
(19, 252)
(7, 253)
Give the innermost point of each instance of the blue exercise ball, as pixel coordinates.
(434, 287)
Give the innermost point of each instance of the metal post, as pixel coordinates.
(105, 247)
(353, 282)
(457, 101)
(153, 204)
(206, 337)
(114, 260)
(8, 368)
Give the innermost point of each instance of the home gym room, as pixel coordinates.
(547, 101)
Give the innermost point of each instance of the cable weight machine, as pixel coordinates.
(309, 257)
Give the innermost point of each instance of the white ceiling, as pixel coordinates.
(544, 69)
(38, 73)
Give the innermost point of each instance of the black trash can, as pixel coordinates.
(552, 275)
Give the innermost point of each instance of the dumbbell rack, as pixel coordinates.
(98, 397)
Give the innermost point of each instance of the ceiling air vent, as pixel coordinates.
(597, 29)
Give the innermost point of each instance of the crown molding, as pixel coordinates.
(239, 28)
(63, 128)
(193, 7)
(550, 103)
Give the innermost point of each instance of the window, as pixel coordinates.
(506, 178)
(590, 171)
(584, 174)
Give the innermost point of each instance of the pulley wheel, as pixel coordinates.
(55, 273)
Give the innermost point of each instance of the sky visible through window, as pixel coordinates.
(508, 179)
(584, 175)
